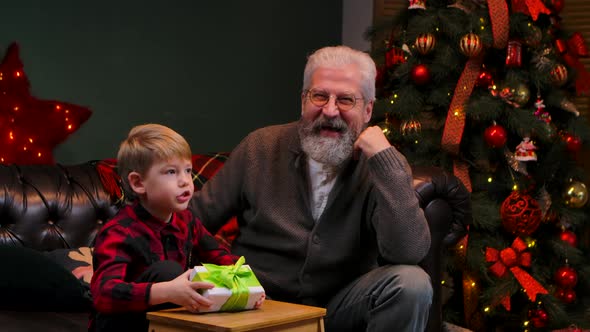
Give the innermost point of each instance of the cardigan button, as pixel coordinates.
(315, 239)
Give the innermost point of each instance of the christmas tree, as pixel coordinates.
(485, 89)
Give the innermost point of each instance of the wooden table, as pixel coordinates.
(272, 316)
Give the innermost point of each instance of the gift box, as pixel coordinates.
(237, 288)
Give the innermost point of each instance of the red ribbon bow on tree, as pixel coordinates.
(511, 259)
(571, 50)
(530, 7)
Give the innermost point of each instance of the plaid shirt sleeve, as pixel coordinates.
(110, 292)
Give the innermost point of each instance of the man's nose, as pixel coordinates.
(331, 109)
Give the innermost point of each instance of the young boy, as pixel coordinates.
(142, 255)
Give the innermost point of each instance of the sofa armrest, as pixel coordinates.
(447, 207)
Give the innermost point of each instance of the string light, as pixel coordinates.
(490, 179)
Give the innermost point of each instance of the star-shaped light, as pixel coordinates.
(30, 128)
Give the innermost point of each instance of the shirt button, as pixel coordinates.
(316, 239)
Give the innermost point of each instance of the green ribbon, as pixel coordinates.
(232, 277)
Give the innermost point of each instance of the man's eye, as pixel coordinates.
(320, 97)
(346, 100)
(189, 170)
(171, 171)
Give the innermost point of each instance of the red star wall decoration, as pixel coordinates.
(31, 128)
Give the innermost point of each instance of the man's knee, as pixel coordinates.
(410, 283)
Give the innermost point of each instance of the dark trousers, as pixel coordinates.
(137, 321)
(389, 298)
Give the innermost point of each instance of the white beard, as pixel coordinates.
(327, 150)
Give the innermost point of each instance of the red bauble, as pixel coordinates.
(569, 237)
(538, 317)
(420, 74)
(484, 79)
(573, 143)
(520, 214)
(566, 295)
(495, 136)
(566, 277)
(556, 5)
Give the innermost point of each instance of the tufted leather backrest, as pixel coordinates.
(47, 207)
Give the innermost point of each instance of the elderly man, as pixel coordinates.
(326, 209)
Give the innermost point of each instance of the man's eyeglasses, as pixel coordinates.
(320, 98)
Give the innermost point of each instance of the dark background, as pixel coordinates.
(211, 70)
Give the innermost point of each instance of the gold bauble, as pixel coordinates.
(521, 94)
(425, 43)
(411, 127)
(576, 194)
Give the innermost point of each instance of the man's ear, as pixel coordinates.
(136, 183)
(368, 111)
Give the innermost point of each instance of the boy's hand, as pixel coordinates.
(181, 291)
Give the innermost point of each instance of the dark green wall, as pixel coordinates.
(212, 70)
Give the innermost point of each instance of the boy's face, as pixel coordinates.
(166, 187)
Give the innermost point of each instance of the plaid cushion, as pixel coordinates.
(204, 167)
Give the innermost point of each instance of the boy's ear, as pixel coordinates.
(135, 183)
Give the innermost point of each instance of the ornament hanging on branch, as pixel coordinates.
(410, 127)
(566, 277)
(538, 317)
(558, 74)
(573, 143)
(540, 112)
(425, 43)
(525, 150)
(516, 165)
(495, 136)
(569, 237)
(470, 45)
(521, 214)
(420, 74)
(575, 194)
(514, 54)
(565, 295)
(556, 6)
(417, 4)
(485, 79)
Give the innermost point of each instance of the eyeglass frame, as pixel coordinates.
(330, 95)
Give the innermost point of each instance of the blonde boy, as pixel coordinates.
(142, 255)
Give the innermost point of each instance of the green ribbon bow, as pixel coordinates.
(232, 277)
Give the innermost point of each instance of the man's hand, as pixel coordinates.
(181, 291)
(370, 141)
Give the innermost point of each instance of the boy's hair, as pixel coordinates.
(145, 145)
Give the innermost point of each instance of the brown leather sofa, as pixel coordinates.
(46, 207)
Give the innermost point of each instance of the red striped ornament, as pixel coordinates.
(559, 74)
(425, 43)
(470, 45)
